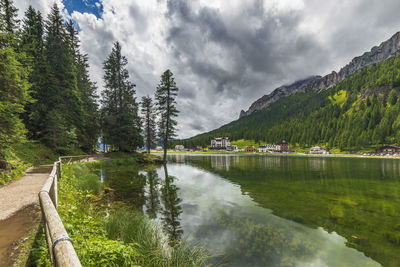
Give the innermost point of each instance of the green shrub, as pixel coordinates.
(86, 181)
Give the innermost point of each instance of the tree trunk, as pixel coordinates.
(165, 150)
(148, 141)
(167, 123)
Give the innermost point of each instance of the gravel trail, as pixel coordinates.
(23, 192)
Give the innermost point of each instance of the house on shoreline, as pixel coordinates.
(232, 148)
(389, 150)
(179, 148)
(318, 150)
(220, 143)
(278, 147)
(250, 149)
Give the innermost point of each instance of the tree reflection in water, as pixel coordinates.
(153, 199)
(172, 208)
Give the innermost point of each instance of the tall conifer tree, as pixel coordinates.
(63, 109)
(13, 81)
(166, 104)
(149, 122)
(121, 123)
(32, 45)
(88, 127)
(10, 15)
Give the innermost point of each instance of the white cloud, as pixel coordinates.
(43, 6)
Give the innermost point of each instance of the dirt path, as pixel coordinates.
(15, 230)
(19, 209)
(23, 192)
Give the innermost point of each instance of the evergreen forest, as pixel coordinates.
(361, 112)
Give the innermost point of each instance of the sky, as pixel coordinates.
(225, 54)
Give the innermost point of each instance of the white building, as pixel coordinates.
(179, 148)
(232, 148)
(318, 150)
(220, 143)
(268, 148)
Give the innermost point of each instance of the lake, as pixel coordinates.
(273, 210)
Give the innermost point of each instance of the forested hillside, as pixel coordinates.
(46, 93)
(360, 112)
(48, 104)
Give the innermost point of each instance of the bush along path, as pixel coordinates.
(107, 232)
(19, 211)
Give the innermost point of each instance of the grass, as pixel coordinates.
(30, 153)
(339, 98)
(22, 156)
(242, 143)
(120, 158)
(105, 232)
(133, 227)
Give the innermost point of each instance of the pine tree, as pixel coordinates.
(149, 119)
(60, 88)
(13, 95)
(13, 85)
(88, 127)
(10, 15)
(121, 123)
(392, 98)
(165, 96)
(73, 38)
(32, 45)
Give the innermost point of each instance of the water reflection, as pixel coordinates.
(153, 194)
(238, 232)
(358, 199)
(172, 208)
(221, 163)
(274, 211)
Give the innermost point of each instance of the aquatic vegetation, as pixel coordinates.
(257, 244)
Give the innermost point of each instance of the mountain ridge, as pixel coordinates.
(385, 50)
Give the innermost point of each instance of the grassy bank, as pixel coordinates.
(107, 232)
(23, 155)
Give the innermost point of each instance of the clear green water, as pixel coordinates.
(273, 211)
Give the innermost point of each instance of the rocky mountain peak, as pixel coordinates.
(385, 50)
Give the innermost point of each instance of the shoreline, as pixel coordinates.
(226, 153)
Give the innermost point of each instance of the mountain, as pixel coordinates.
(361, 110)
(377, 54)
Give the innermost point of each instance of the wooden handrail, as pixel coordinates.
(61, 250)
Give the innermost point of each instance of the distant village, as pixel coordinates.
(224, 144)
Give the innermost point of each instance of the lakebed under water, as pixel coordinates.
(272, 210)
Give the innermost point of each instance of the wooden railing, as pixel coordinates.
(61, 250)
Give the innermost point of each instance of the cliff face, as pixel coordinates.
(285, 90)
(377, 54)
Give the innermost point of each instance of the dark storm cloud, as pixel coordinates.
(197, 127)
(266, 48)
